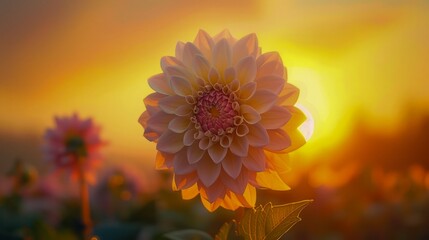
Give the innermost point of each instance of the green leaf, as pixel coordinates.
(270, 222)
(228, 232)
(188, 234)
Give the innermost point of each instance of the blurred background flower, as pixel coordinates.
(361, 67)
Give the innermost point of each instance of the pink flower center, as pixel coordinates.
(215, 111)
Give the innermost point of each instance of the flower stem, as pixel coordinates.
(84, 197)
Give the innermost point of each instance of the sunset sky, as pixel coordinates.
(351, 59)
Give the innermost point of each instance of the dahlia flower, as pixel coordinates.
(221, 113)
(74, 142)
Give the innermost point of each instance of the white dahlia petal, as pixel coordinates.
(222, 55)
(246, 70)
(268, 64)
(180, 163)
(179, 49)
(262, 100)
(279, 140)
(159, 121)
(189, 53)
(215, 191)
(195, 153)
(170, 142)
(180, 86)
(257, 136)
(217, 152)
(169, 104)
(179, 124)
(205, 43)
(275, 118)
(250, 115)
(255, 160)
(201, 66)
(160, 84)
(247, 91)
(232, 165)
(188, 138)
(239, 146)
(208, 171)
(170, 61)
(246, 46)
(272, 83)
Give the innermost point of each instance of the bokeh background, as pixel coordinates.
(362, 67)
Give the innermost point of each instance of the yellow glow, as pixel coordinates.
(307, 127)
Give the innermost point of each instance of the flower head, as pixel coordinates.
(74, 141)
(220, 115)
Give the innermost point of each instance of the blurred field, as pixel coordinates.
(362, 68)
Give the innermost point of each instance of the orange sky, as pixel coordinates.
(354, 59)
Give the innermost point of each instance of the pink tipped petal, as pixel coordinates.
(271, 83)
(153, 99)
(229, 75)
(217, 152)
(208, 171)
(205, 143)
(237, 185)
(275, 118)
(232, 165)
(195, 153)
(279, 140)
(250, 115)
(255, 160)
(171, 103)
(184, 181)
(225, 141)
(142, 119)
(242, 130)
(215, 191)
(246, 46)
(170, 142)
(159, 121)
(222, 55)
(169, 61)
(247, 91)
(224, 35)
(289, 95)
(179, 124)
(180, 163)
(184, 110)
(182, 72)
(258, 136)
(268, 64)
(205, 43)
(181, 86)
(179, 50)
(240, 146)
(160, 84)
(189, 53)
(201, 66)
(262, 100)
(213, 76)
(246, 70)
(188, 138)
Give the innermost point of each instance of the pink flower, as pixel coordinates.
(220, 115)
(73, 140)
